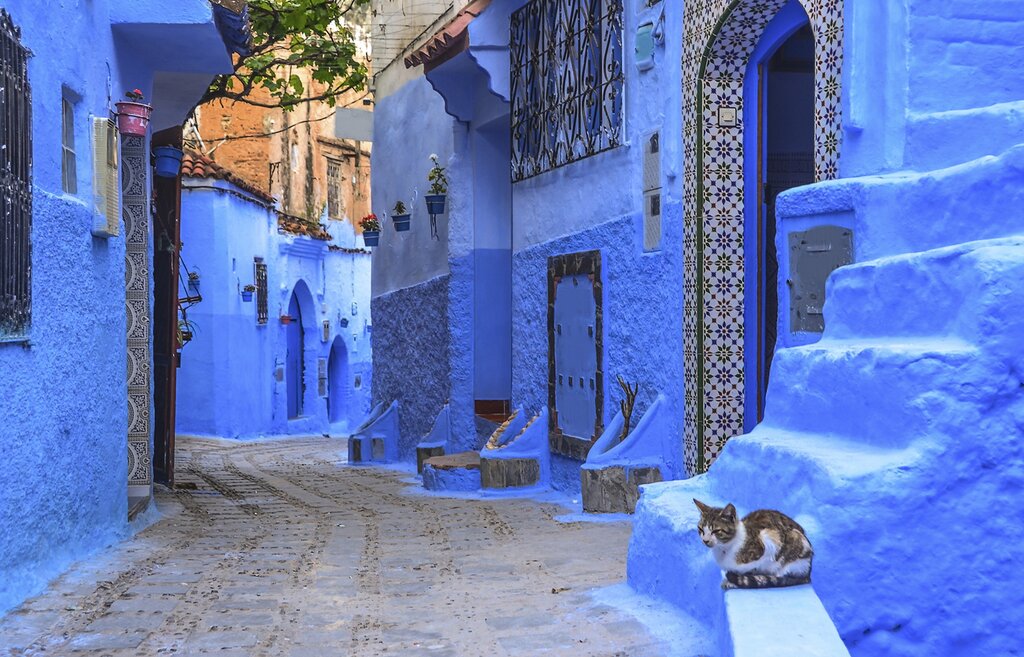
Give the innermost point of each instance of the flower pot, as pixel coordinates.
(371, 237)
(194, 284)
(285, 319)
(246, 296)
(435, 203)
(401, 222)
(133, 118)
(168, 161)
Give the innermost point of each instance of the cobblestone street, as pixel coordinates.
(280, 551)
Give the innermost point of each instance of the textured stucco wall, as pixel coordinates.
(409, 126)
(226, 384)
(63, 440)
(642, 305)
(410, 345)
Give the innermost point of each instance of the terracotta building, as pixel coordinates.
(305, 158)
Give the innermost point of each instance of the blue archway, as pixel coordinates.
(301, 312)
(338, 381)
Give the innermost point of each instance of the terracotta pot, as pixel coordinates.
(133, 118)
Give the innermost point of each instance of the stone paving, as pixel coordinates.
(280, 549)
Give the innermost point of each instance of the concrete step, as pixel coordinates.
(949, 291)
(813, 465)
(884, 392)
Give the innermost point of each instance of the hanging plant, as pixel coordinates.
(133, 115)
(438, 188)
(247, 292)
(371, 229)
(400, 215)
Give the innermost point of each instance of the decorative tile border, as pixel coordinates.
(586, 263)
(136, 257)
(719, 36)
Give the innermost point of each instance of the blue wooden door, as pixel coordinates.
(575, 315)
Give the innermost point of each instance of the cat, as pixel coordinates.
(767, 549)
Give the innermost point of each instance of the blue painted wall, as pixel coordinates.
(234, 379)
(885, 434)
(63, 441)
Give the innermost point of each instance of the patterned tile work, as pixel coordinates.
(719, 36)
(133, 188)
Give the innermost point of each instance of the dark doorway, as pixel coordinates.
(295, 357)
(166, 235)
(786, 108)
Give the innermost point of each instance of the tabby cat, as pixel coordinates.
(766, 549)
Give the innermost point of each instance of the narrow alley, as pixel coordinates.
(279, 551)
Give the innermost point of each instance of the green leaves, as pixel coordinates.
(297, 34)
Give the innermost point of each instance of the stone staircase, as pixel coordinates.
(893, 441)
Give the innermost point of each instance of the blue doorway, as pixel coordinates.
(295, 357)
(338, 388)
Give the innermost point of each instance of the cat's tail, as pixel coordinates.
(759, 581)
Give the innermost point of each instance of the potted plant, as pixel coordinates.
(168, 161)
(133, 115)
(193, 280)
(185, 333)
(371, 229)
(400, 215)
(286, 319)
(247, 292)
(438, 188)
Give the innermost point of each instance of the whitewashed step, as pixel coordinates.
(789, 622)
(884, 392)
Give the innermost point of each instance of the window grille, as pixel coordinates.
(68, 164)
(261, 291)
(567, 83)
(15, 182)
(334, 209)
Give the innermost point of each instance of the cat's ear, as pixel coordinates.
(729, 512)
(704, 508)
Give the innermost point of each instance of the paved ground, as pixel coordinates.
(280, 550)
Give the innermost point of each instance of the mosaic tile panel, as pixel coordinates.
(136, 260)
(719, 36)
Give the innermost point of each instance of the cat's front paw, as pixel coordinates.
(726, 585)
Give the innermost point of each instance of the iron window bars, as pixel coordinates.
(261, 291)
(15, 182)
(566, 83)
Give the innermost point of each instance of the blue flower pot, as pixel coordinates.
(371, 237)
(401, 222)
(435, 203)
(168, 161)
(246, 296)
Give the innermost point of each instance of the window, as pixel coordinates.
(68, 164)
(261, 291)
(334, 209)
(16, 190)
(567, 82)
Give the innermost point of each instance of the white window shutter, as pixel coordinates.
(106, 179)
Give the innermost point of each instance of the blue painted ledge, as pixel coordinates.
(789, 622)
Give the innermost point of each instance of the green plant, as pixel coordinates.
(437, 177)
(135, 95)
(249, 288)
(399, 209)
(315, 35)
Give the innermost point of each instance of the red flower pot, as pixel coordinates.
(133, 118)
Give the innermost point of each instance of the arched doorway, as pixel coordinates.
(338, 386)
(727, 262)
(778, 155)
(295, 356)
